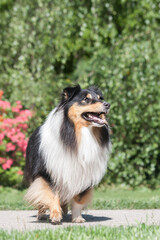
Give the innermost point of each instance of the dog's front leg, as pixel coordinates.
(55, 210)
(65, 209)
(41, 213)
(78, 203)
(42, 197)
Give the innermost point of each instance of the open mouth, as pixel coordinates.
(98, 118)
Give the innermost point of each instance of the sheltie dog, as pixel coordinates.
(68, 154)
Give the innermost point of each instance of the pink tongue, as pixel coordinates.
(96, 119)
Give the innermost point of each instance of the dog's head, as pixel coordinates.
(85, 107)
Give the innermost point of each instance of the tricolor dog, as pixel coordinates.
(67, 155)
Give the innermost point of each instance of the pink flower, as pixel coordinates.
(8, 121)
(9, 135)
(24, 126)
(15, 109)
(20, 172)
(7, 164)
(2, 160)
(24, 146)
(26, 113)
(1, 136)
(10, 147)
(13, 127)
(18, 102)
(4, 105)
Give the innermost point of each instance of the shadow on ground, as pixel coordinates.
(68, 218)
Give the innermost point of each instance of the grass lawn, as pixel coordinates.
(104, 198)
(141, 232)
(126, 198)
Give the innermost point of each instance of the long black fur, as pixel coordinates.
(34, 161)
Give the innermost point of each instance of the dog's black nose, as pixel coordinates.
(107, 105)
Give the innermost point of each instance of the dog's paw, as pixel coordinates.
(79, 219)
(56, 217)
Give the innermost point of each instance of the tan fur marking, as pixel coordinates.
(75, 113)
(98, 96)
(41, 210)
(65, 95)
(40, 195)
(96, 132)
(76, 110)
(41, 213)
(55, 214)
(102, 116)
(56, 211)
(86, 198)
(89, 96)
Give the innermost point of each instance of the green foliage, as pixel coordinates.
(129, 76)
(47, 45)
(11, 177)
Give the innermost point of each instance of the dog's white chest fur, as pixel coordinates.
(71, 173)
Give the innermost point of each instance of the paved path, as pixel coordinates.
(27, 220)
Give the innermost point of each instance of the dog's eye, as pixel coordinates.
(87, 100)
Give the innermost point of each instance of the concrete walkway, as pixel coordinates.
(27, 220)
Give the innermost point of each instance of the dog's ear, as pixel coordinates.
(70, 92)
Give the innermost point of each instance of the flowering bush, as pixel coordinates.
(13, 141)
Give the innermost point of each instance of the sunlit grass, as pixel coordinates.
(140, 232)
(104, 198)
(126, 198)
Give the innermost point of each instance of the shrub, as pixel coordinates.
(130, 78)
(47, 45)
(13, 141)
